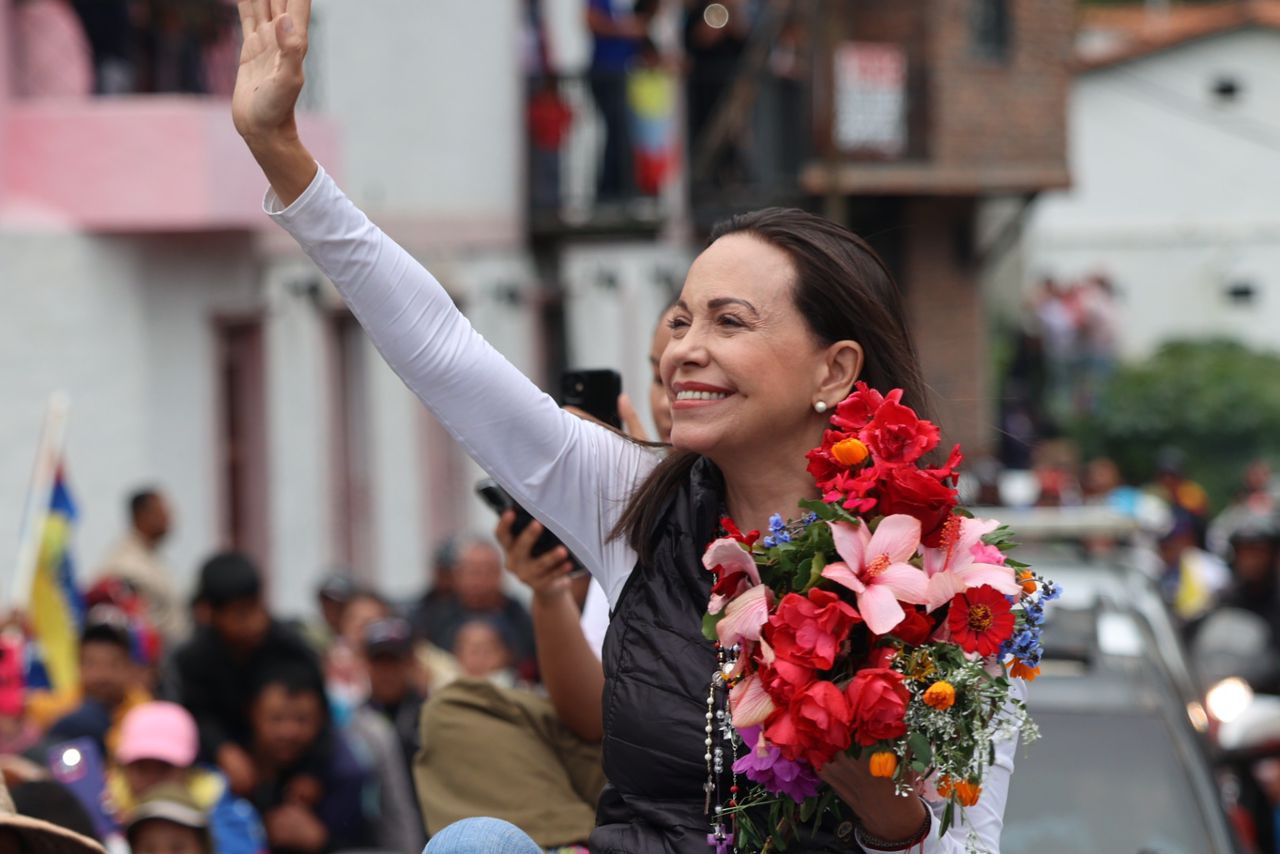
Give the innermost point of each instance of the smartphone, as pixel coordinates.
(78, 765)
(595, 393)
(500, 502)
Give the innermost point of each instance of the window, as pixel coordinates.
(990, 29)
(243, 437)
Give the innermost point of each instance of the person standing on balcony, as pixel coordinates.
(617, 31)
(109, 26)
(715, 37)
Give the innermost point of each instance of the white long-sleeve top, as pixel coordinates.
(573, 475)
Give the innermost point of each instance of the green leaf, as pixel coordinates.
(948, 817)
(920, 749)
(818, 564)
(808, 808)
(709, 622)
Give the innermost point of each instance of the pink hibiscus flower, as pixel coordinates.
(961, 561)
(875, 568)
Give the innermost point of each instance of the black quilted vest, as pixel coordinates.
(657, 666)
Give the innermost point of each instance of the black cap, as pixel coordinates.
(337, 587)
(388, 637)
(226, 577)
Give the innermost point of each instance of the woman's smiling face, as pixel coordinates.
(743, 369)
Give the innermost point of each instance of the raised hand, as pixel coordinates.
(270, 76)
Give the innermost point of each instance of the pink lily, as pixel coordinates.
(744, 616)
(954, 566)
(875, 568)
(749, 702)
(731, 558)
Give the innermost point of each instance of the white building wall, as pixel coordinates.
(1174, 191)
(122, 325)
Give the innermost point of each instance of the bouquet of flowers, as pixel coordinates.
(884, 620)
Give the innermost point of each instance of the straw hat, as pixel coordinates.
(42, 837)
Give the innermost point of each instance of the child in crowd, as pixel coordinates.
(157, 749)
(168, 821)
(213, 673)
(394, 676)
(311, 787)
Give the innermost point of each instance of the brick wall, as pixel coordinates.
(947, 317)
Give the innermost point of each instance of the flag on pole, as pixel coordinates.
(56, 607)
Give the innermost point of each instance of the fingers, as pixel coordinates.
(503, 531)
(631, 419)
(529, 536)
(277, 8)
(248, 19)
(300, 11)
(262, 12)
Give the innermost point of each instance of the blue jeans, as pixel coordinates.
(482, 836)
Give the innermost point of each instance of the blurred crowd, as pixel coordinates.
(120, 47)
(634, 79)
(1063, 353)
(257, 733)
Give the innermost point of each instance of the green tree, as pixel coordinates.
(1217, 401)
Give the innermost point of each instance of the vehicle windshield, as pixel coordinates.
(1104, 782)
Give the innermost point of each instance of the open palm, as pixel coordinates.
(270, 76)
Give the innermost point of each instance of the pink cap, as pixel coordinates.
(162, 731)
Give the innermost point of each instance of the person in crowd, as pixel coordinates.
(428, 611)
(1256, 498)
(212, 674)
(1192, 579)
(167, 820)
(483, 653)
(616, 32)
(394, 681)
(332, 596)
(652, 100)
(715, 38)
(136, 561)
(346, 677)
(550, 118)
(310, 785)
(478, 593)
(1254, 556)
(110, 682)
(109, 27)
(158, 746)
(778, 318)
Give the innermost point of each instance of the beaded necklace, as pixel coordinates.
(720, 731)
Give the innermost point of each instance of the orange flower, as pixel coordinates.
(1028, 581)
(941, 696)
(1024, 671)
(944, 786)
(883, 764)
(967, 793)
(849, 452)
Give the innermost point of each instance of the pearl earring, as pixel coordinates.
(820, 407)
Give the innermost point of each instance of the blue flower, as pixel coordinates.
(1034, 613)
(769, 542)
(1050, 591)
(777, 524)
(808, 518)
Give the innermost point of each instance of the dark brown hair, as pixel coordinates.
(845, 292)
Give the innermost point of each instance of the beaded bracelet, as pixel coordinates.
(868, 841)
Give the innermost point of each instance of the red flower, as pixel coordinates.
(731, 529)
(822, 465)
(914, 629)
(980, 620)
(906, 489)
(782, 680)
(856, 411)
(813, 727)
(878, 701)
(809, 631)
(896, 435)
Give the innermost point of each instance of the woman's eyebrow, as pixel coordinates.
(721, 302)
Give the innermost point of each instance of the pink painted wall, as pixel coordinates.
(135, 164)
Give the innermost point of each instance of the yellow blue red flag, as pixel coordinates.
(57, 609)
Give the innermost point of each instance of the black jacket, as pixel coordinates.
(657, 669)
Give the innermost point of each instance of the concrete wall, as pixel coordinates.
(1174, 192)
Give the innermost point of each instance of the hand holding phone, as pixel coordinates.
(594, 392)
